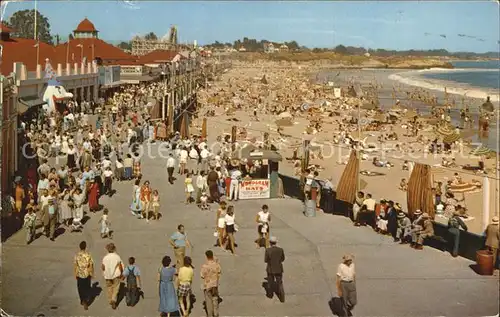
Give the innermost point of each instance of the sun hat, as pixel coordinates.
(418, 212)
(273, 240)
(494, 220)
(425, 215)
(347, 257)
(401, 214)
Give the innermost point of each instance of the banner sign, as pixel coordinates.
(255, 189)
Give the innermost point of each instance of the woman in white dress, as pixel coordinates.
(65, 210)
(78, 205)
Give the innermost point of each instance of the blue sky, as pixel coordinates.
(386, 24)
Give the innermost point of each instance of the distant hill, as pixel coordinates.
(253, 45)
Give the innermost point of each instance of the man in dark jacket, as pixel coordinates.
(454, 225)
(274, 257)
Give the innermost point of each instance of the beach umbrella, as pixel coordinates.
(411, 114)
(184, 130)
(486, 202)
(285, 114)
(462, 188)
(347, 186)
(419, 194)
(488, 106)
(369, 106)
(284, 123)
(445, 130)
(451, 138)
(381, 117)
(204, 128)
(482, 150)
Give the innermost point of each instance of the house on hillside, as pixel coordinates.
(242, 49)
(284, 48)
(269, 48)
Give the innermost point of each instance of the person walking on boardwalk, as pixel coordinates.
(179, 242)
(84, 270)
(170, 168)
(112, 268)
(274, 257)
(346, 284)
(132, 275)
(168, 299)
(210, 274)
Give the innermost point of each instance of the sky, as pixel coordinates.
(372, 24)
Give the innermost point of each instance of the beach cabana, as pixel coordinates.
(347, 186)
(266, 184)
(419, 194)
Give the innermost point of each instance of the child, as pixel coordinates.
(204, 201)
(403, 185)
(105, 224)
(29, 224)
(155, 204)
(132, 275)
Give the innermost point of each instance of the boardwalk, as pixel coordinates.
(393, 280)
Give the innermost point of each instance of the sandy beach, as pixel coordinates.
(235, 96)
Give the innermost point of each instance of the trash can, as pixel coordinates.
(485, 262)
(310, 208)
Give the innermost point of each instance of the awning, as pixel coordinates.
(136, 79)
(27, 102)
(111, 85)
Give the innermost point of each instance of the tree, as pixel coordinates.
(151, 36)
(125, 46)
(341, 49)
(70, 37)
(23, 23)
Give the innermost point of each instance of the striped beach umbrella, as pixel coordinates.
(451, 138)
(482, 150)
(419, 194)
(347, 186)
(445, 130)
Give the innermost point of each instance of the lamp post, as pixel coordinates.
(81, 55)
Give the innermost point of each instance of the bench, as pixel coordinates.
(437, 242)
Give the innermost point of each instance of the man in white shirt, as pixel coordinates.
(170, 168)
(112, 268)
(106, 163)
(235, 182)
(346, 284)
(204, 154)
(367, 213)
(194, 158)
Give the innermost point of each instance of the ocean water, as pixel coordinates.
(482, 74)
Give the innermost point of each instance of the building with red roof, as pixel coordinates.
(85, 29)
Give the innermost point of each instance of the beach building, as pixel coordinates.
(284, 48)
(8, 144)
(269, 48)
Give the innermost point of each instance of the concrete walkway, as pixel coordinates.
(392, 280)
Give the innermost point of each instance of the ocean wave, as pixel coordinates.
(414, 79)
(452, 70)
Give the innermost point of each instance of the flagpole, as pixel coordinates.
(36, 35)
